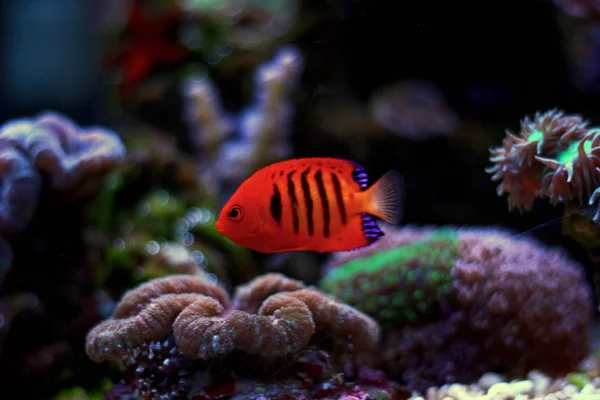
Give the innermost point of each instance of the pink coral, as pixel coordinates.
(529, 304)
(282, 326)
(205, 325)
(514, 303)
(147, 313)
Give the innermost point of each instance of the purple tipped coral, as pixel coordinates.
(19, 189)
(62, 150)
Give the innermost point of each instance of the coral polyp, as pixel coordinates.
(572, 176)
(555, 156)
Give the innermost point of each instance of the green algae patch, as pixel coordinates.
(578, 379)
(399, 286)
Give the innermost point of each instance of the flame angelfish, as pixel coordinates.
(317, 204)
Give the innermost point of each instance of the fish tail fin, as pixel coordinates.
(386, 197)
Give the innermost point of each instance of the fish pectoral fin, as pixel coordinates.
(386, 197)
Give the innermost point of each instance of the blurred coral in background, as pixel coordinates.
(126, 125)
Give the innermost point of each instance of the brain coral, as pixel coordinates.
(62, 150)
(205, 325)
(522, 305)
(19, 189)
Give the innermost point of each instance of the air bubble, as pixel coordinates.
(198, 256)
(152, 247)
(212, 278)
(119, 244)
(144, 209)
(187, 239)
(163, 197)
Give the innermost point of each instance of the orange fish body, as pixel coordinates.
(317, 204)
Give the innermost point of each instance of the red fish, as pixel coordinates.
(316, 204)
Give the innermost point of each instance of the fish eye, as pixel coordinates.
(235, 213)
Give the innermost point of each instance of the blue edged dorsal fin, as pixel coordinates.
(360, 176)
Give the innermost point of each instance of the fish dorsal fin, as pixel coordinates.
(360, 176)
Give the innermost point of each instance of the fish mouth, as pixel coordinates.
(219, 226)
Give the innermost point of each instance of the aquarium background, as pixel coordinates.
(202, 94)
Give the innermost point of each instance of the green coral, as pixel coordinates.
(400, 285)
(578, 379)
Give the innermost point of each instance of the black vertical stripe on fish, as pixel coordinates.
(308, 200)
(324, 202)
(338, 196)
(276, 206)
(292, 193)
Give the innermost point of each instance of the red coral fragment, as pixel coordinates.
(147, 46)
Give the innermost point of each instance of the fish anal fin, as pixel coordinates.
(369, 228)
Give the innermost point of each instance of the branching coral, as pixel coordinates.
(521, 305)
(205, 325)
(260, 133)
(248, 25)
(63, 151)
